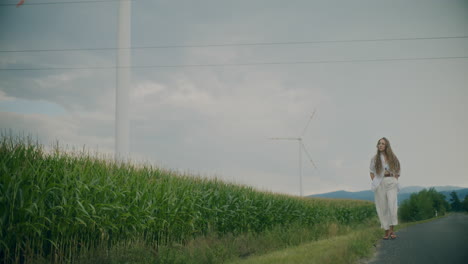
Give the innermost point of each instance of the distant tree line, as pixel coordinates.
(430, 203)
(457, 205)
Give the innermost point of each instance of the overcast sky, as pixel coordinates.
(216, 121)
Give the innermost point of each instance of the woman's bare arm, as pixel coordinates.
(372, 176)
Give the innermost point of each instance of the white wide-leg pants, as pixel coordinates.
(385, 197)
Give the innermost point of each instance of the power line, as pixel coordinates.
(237, 44)
(237, 64)
(65, 2)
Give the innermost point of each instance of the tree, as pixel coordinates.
(423, 205)
(439, 204)
(465, 204)
(455, 202)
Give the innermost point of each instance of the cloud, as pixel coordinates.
(91, 132)
(217, 120)
(4, 97)
(215, 123)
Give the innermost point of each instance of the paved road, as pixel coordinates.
(444, 241)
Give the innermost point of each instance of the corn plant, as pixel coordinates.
(56, 205)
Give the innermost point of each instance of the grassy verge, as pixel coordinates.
(222, 249)
(339, 249)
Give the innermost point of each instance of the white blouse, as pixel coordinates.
(379, 177)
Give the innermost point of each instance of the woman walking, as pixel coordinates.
(384, 172)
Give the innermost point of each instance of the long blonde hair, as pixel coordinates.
(392, 159)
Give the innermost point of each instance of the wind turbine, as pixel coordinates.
(122, 127)
(301, 148)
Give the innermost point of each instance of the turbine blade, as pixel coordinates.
(284, 138)
(308, 155)
(310, 119)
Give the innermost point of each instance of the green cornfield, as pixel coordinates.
(55, 205)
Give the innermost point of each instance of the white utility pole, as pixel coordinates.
(301, 148)
(122, 128)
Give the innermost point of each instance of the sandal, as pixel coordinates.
(392, 235)
(387, 236)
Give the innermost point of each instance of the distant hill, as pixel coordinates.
(404, 193)
(461, 194)
(412, 189)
